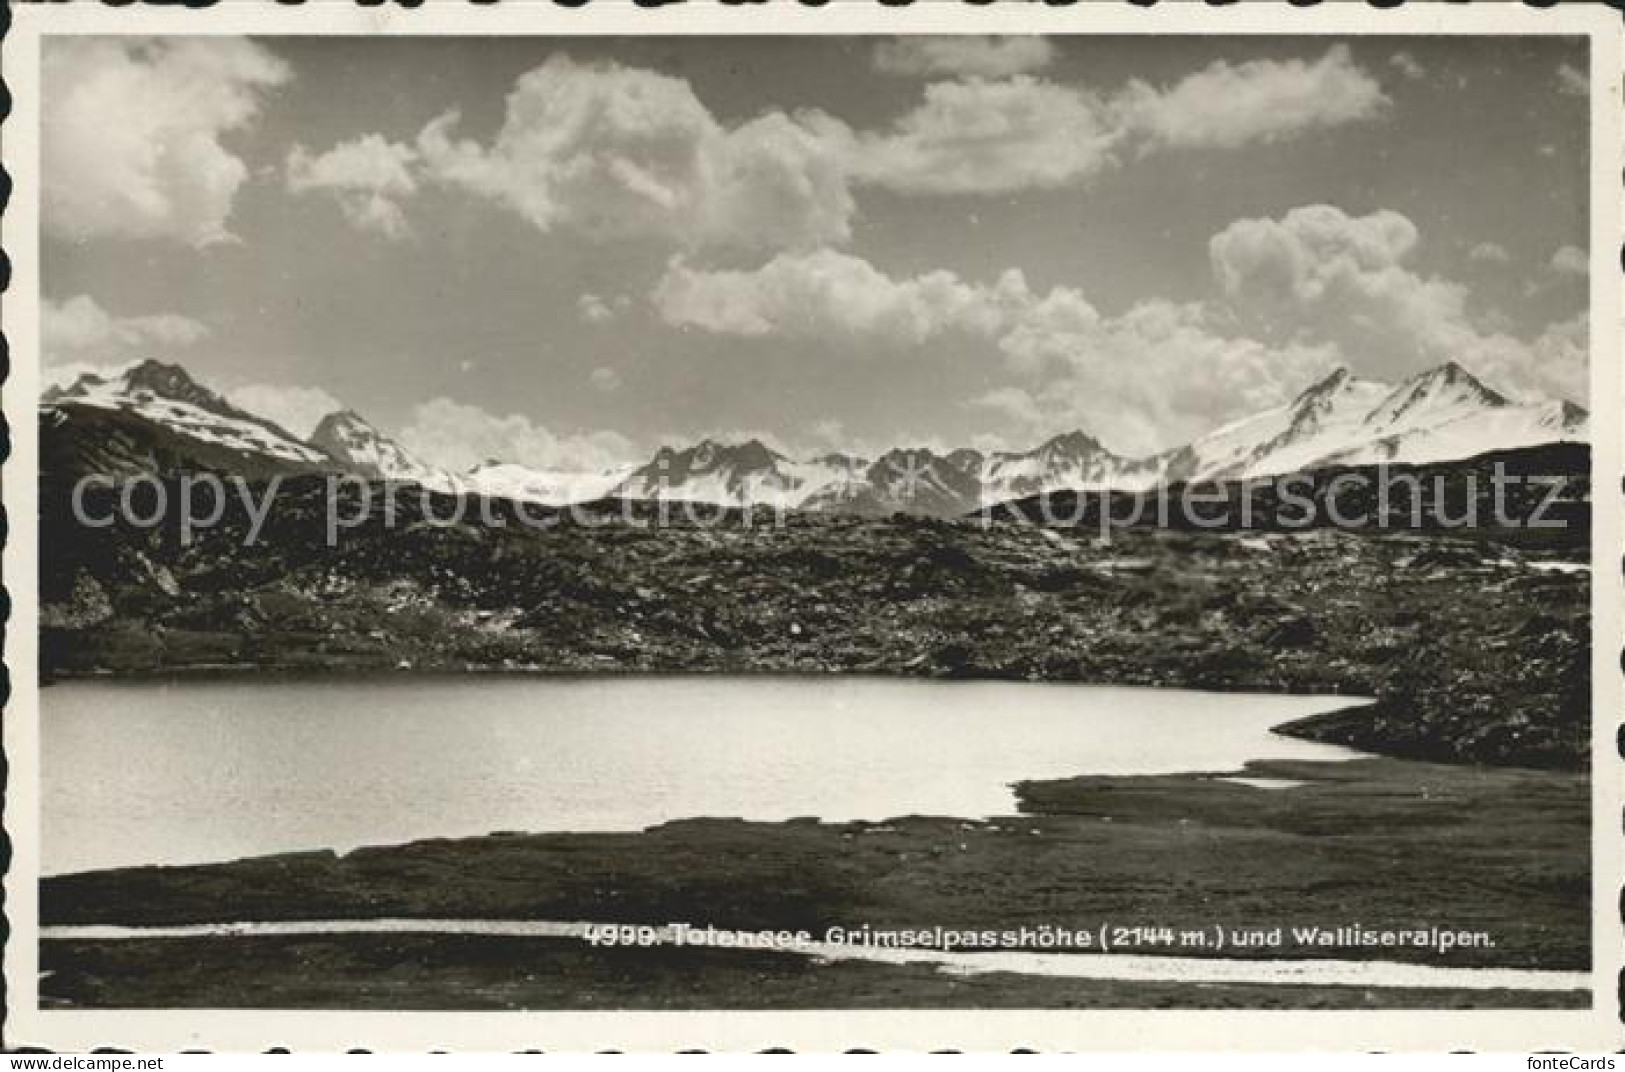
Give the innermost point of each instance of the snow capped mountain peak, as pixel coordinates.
(1274, 440)
(1453, 378)
(167, 395)
(1439, 394)
(1446, 413)
(341, 428)
(751, 454)
(144, 381)
(1325, 387)
(1073, 460)
(350, 439)
(1453, 372)
(741, 474)
(168, 381)
(1441, 414)
(1074, 444)
(1334, 401)
(905, 479)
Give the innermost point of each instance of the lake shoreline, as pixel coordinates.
(363, 758)
(1380, 842)
(1428, 625)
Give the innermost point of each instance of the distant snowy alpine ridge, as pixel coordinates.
(1442, 414)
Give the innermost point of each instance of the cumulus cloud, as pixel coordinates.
(1158, 374)
(1407, 65)
(990, 137)
(1554, 364)
(605, 379)
(1299, 295)
(368, 176)
(1572, 80)
(297, 409)
(458, 436)
(79, 337)
(970, 55)
(1320, 272)
(1229, 105)
(131, 134)
(616, 152)
(984, 136)
(828, 294)
(1320, 275)
(1489, 253)
(783, 184)
(1571, 260)
(79, 329)
(1143, 380)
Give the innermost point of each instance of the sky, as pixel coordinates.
(566, 252)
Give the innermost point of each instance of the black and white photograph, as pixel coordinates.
(629, 518)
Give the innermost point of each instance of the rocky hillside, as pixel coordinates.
(1477, 651)
(78, 440)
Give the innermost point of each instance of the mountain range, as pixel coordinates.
(154, 417)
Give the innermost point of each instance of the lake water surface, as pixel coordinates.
(196, 771)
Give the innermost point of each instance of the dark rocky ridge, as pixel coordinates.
(1474, 654)
(77, 440)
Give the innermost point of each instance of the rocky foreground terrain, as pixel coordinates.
(1475, 646)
